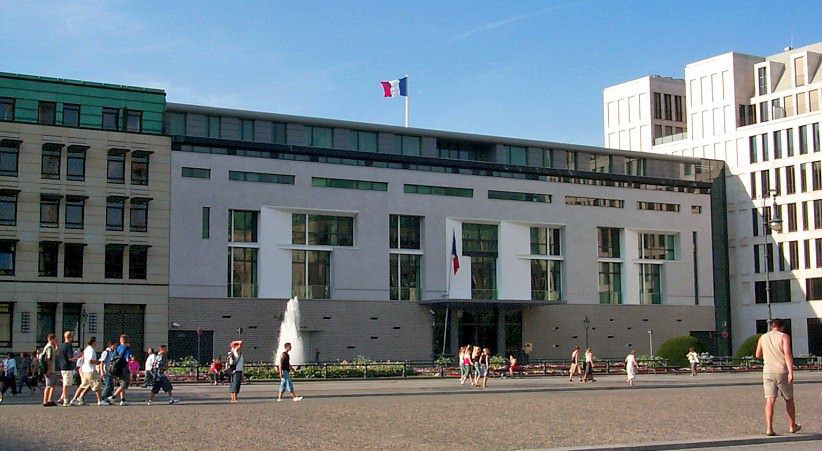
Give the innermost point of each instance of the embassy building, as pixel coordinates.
(554, 241)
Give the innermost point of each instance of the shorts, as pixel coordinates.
(125, 379)
(236, 382)
(90, 380)
(163, 383)
(51, 379)
(483, 370)
(476, 368)
(285, 383)
(776, 384)
(68, 377)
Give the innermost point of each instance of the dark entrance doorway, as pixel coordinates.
(183, 343)
(129, 320)
(478, 328)
(815, 336)
(486, 326)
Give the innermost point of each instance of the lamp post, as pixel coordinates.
(771, 222)
(587, 324)
(651, 341)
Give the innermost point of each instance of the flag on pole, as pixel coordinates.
(395, 88)
(455, 260)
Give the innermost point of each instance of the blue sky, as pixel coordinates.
(524, 69)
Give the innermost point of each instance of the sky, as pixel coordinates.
(513, 68)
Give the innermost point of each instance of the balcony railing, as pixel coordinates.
(610, 298)
(311, 291)
(546, 295)
(483, 294)
(405, 294)
(671, 138)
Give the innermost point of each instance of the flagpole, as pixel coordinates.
(406, 101)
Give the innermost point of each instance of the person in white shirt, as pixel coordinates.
(148, 381)
(89, 376)
(631, 367)
(693, 359)
(9, 378)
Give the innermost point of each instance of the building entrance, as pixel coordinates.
(486, 326)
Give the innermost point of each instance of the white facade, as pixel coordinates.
(762, 116)
(638, 112)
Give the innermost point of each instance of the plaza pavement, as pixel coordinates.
(660, 412)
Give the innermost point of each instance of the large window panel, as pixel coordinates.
(610, 283)
(242, 226)
(48, 256)
(404, 277)
(546, 280)
(6, 324)
(8, 208)
(242, 272)
(650, 283)
(9, 155)
(311, 274)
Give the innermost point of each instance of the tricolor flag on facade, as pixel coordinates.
(394, 88)
(455, 260)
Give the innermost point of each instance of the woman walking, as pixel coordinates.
(589, 365)
(631, 367)
(475, 356)
(484, 362)
(575, 369)
(463, 368)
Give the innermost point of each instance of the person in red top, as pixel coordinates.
(216, 371)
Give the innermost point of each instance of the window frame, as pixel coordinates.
(134, 114)
(9, 247)
(70, 267)
(75, 202)
(108, 113)
(75, 153)
(42, 108)
(9, 197)
(113, 205)
(110, 261)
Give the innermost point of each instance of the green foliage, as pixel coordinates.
(648, 361)
(443, 360)
(332, 371)
(675, 349)
(748, 347)
(183, 366)
(497, 361)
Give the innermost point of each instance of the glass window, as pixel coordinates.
(546, 280)
(8, 158)
(71, 115)
(75, 212)
(516, 155)
(789, 137)
(8, 208)
(780, 291)
(799, 71)
(791, 217)
(139, 168)
(657, 105)
(322, 230)
(260, 177)
(816, 175)
(678, 108)
(6, 324)
(323, 182)
(49, 211)
(176, 123)
(650, 284)
(114, 261)
(6, 109)
(653, 246)
(545, 241)
(319, 137)
(815, 132)
(763, 80)
(404, 277)
(8, 250)
(753, 154)
(115, 207)
(76, 163)
(116, 166)
(668, 113)
(610, 283)
(247, 130)
(364, 141)
(790, 180)
(813, 288)
(206, 232)
(71, 321)
(46, 113)
(213, 126)
(594, 202)
(197, 173)
(803, 140)
(278, 131)
(138, 216)
(242, 272)
(73, 260)
(404, 232)
(600, 163)
(763, 111)
(524, 197)
(483, 277)
(777, 144)
(137, 262)
(242, 226)
(657, 206)
(803, 183)
(479, 240)
(111, 119)
(437, 190)
(50, 162)
(311, 274)
(408, 145)
(793, 255)
(47, 264)
(609, 242)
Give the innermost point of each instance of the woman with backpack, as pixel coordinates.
(235, 368)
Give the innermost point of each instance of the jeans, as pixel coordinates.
(285, 383)
(9, 382)
(108, 386)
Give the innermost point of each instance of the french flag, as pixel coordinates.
(394, 88)
(455, 260)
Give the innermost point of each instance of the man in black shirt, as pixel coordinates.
(66, 365)
(284, 368)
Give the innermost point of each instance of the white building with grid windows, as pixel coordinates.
(762, 116)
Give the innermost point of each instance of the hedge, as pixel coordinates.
(675, 349)
(748, 347)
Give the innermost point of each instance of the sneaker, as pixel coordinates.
(298, 398)
(148, 403)
(102, 403)
(123, 402)
(279, 399)
(110, 400)
(173, 401)
(65, 404)
(76, 402)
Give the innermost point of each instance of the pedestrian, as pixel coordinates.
(133, 368)
(24, 373)
(46, 365)
(9, 376)
(589, 365)
(35, 376)
(215, 371)
(89, 376)
(575, 369)
(693, 359)
(65, 363)
(774, 348)
(284, 368)
(475, 355)
(147, 375)
(512, 365)
(631, 367)
(484, 364)
(461, 362)
(119, 369)
(235, 368)
(466, 364)
(105, 371)
(317, 356)
(159, 378)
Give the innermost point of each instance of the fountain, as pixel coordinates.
(290, 333)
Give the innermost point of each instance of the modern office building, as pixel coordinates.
(84, 212)
(761, 115)
(643, 112)
(554, 241)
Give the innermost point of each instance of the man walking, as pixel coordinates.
(284, 368)
(235, 368)
(105, 371)
(9, 376)
(119, 367)
(47, 365)
(89, 377)
(65, 363)
(774, 348)
(148, 379)
(159, 378)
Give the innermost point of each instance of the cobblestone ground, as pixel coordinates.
(534, 413)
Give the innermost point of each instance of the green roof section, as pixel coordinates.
(28, 90)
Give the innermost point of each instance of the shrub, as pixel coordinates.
(443, 360)
(747, 348)
(675, 349)
(651, 361)
(497, 361)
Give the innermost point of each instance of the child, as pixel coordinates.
(159, 377)
(284, 368)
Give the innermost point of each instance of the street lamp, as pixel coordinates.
(651, 341)
(771, 222)
(587, 324)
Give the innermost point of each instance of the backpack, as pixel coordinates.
(43, 364)
(232, 362)
(118, 364)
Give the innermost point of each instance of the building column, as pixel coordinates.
(454, 330)
(500, 318)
